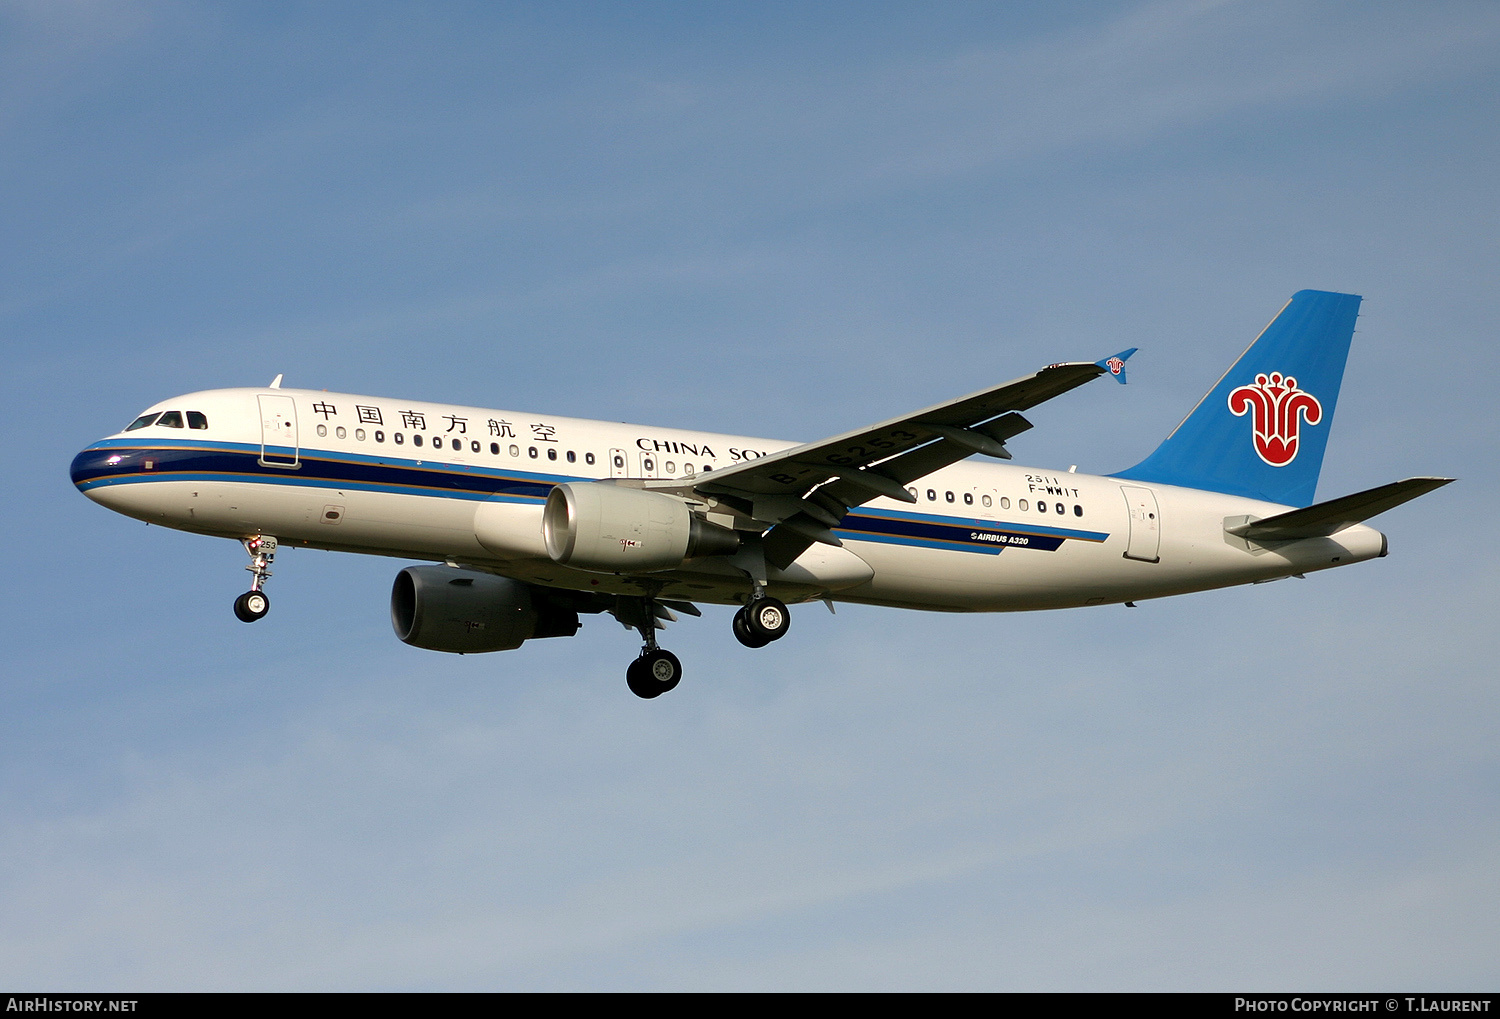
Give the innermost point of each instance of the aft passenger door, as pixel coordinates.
(1144, 542)
(278, 431)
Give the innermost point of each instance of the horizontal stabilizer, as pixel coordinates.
(1325, 518)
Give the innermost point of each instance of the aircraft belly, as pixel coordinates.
(1077, 573)
(436, 527)
(329, 518)
(510, 529)
(957, 581)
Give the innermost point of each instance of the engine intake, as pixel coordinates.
(606, 528)
(465, 611)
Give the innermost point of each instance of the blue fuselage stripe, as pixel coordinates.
(120, 462)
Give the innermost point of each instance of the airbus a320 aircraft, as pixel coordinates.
(536, 519)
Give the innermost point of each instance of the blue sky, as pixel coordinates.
(775, 219)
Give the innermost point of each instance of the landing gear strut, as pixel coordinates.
(762, 620)
(254, 603)
(657, 670)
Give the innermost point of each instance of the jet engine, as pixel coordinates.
(606, 528)
(465, 611)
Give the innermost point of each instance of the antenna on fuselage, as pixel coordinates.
(275, 383)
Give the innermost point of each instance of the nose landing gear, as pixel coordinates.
(254, 603)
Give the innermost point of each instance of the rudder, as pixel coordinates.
(1262, 429)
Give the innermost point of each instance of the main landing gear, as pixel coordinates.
(254, 603)
(656, 670)
(761, 621)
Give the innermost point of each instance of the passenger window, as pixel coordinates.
(551, 454)
(398, 438)
(142, 421)
(416, 440)
(322, 429)
(1005, 502)
(1078, 511)
(1060, 509)
(531, 452)
(171, 419)
(339, 431)
(949, 496)
(968, 498)
(588, 458)
(1023, 506)
(671, 466)
(515, 450)
(1041, 507)
(931, 495)
(474, 447)
(987, 500)
(649, 464)
(619, 463)
(196, 420)
(494, 449)
(458, 446)
(912, 492)
(379, 435)
(572, 456)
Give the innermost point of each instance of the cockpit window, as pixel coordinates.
(196, 419)
(142, 421)
(171, 419)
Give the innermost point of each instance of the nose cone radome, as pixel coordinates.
(94, 469)
(83, 468)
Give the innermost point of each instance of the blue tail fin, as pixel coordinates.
(1262, 430)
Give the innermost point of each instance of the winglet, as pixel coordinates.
(1116, 365)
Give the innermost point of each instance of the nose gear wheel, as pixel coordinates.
(251, 605)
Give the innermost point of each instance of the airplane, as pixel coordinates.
(526, 521)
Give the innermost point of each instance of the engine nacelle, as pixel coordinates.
(464, 611)
(606, 528)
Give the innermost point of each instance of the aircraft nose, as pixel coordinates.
(79, 470)
(93, 467)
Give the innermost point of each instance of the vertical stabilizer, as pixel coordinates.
(1261, 431)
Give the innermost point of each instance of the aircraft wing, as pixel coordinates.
(806, 490)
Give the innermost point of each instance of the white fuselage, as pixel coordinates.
(467, 485)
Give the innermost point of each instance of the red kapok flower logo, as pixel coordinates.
(1279, 408)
